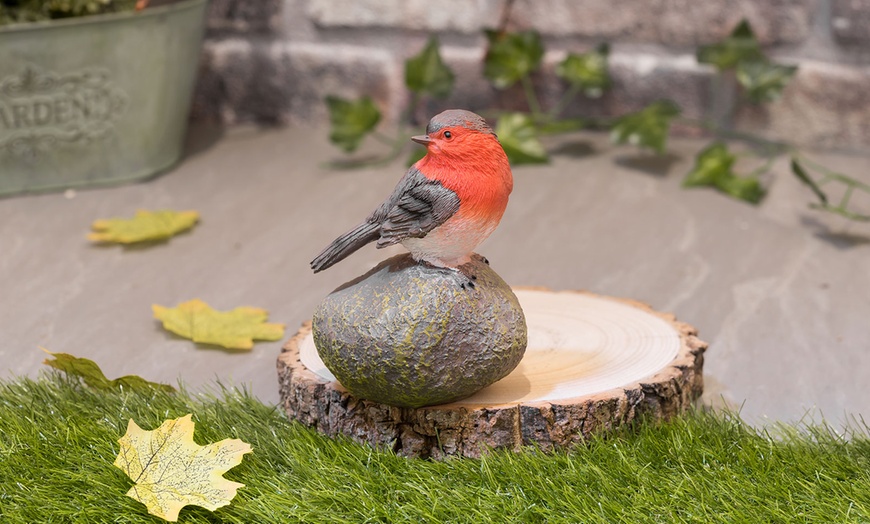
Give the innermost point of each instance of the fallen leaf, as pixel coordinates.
(93, 376)
(234, 329)
(170, 470)
(146, 226)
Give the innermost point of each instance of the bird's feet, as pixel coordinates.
(463, 274)
(480, 258)
(466, 278)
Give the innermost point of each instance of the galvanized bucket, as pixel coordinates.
(96, 100)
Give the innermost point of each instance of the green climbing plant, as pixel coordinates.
(760, 80)
(714, 167)
(757, 80)
(849, 185)
(352, 121)
(511, 61)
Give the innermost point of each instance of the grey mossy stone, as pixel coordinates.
(408, 335)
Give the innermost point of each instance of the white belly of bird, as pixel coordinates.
(451, 244)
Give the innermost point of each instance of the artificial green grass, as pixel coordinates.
(58, 440)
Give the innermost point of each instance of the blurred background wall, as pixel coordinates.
(273, 61)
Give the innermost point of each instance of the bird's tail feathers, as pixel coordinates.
(344, 245)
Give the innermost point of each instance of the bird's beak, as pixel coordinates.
(422, 139)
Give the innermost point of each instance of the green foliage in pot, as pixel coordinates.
(19, 11)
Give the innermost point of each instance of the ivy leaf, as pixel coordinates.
(746, 188)
(351, 121)
(427, 73)
(587, 71)
(802, 175)
(93, 376)
(517, 134)
(511, 56)
(234, 329)
(763, 80)
(171, 471)
(711, 164)
(647, 127)
(741, 45)
(145, 226)
(714, 168)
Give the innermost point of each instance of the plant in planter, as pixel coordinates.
(94, 91)
(12, 11)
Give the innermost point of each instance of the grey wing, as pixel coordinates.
(417, 206)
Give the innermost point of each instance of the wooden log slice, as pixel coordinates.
(593, 363)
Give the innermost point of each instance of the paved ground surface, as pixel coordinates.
(781, 292)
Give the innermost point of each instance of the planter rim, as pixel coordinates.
(181, 5)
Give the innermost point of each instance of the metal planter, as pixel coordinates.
(96, 100)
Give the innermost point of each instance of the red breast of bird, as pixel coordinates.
(473, 165)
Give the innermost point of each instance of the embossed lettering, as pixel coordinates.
(56, 111)
(61, 111)
(42, 113)
(80, 108)
(40, 108)
(19, 112)
(4, 117)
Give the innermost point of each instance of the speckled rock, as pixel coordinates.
(408, 335)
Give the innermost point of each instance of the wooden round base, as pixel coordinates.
(593, 363)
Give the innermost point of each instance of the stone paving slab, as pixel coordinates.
(781, 292)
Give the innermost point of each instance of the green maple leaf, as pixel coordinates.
(741, 45)
(511, 56)
(234, 329)
(427, 72)
(517, 134)
(646, 128)
(587, 71)
(145, 226)
(93, 376)
(714, 167)
(763, 80)
(351, 121)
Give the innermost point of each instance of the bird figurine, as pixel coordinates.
(447, 203)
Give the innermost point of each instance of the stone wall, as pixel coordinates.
(273, 61)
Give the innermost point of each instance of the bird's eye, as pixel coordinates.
(448, 135)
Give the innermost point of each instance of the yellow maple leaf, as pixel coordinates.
(170, 470)
(146, 226)
(235, 329)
